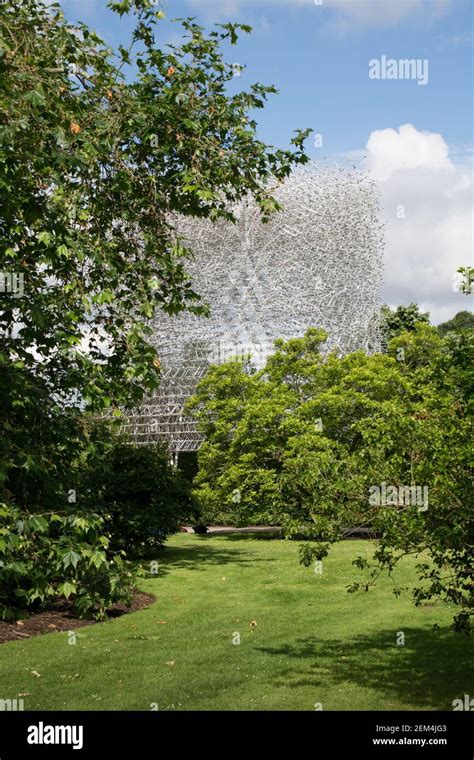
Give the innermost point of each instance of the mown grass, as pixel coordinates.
(303, 640)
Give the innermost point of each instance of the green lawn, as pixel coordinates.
(312, 642)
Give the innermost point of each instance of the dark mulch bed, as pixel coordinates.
(61, 618)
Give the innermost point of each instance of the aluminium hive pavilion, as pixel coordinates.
(316, 263)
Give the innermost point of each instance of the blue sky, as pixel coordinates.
(320, 68)
(318, 57)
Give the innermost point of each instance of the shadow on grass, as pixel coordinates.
(235, 537)
(431, 669)
(201, 553)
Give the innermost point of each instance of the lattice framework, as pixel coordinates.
(318, 262)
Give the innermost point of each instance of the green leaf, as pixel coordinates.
(36, 98)
(44, 237)
(71, 558)
(37, 523)
(67, 588)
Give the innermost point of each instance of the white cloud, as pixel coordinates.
(379, 13)
(390, 151)
(346, 14)
(427, 202)
(236, 5)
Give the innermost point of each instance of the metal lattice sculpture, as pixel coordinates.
(316, 263)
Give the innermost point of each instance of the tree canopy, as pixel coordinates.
(463, 320)
(100, 151)
(329, 445)
(395, 321)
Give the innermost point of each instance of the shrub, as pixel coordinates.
(48, 557)
(145, 497)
